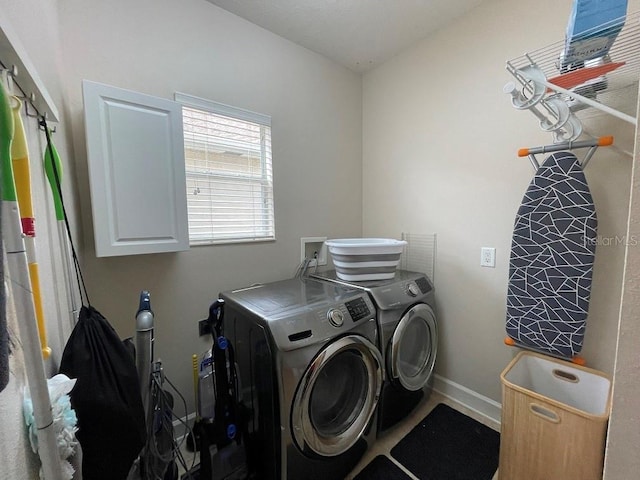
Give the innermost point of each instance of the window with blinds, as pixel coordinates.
(228, 172)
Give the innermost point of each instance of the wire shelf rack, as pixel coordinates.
(544, 83)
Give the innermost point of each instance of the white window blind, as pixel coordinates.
(228, 172)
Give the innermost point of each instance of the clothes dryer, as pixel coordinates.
(311, 376)
(408, 339)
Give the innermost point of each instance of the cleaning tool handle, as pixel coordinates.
(194, 364)
(8, 192)
(22, 179)
(145, 302)
(21, 171)
(216, 314)
(34, 276)
(52, 158)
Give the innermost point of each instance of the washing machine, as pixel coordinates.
(408, 339)
(311, 376)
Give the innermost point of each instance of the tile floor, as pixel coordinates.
(388, 439)
(391, 437)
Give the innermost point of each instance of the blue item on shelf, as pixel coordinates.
(593, 27)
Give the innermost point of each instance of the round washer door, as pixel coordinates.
(337, 396)
(413, 348)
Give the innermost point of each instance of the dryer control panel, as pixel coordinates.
(424, 285)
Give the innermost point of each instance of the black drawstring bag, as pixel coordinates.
(106, 398)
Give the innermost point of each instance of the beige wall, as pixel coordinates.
(622, 461)
(439, 155)
(160, 47)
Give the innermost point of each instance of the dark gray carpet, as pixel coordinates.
(448, 445)
(381, 468)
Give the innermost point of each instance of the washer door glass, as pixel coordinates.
(337, 396)
(413, 348)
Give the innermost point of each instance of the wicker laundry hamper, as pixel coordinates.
(554, 420)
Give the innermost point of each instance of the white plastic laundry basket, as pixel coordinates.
(363, 259)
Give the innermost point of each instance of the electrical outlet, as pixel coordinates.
(204, 328)
(488, 257)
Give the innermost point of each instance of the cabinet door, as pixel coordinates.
(135, 150)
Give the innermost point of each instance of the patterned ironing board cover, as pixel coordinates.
(551, 265)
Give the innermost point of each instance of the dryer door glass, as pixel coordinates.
(337, 396)
(413, 348)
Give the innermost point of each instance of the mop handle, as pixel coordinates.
(22, 178)
(194, 362)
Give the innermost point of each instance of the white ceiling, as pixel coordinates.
(359, 34)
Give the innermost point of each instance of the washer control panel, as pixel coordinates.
(306, 326)
(358, 309)
(335, 317)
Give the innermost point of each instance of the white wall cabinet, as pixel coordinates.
(135, 151)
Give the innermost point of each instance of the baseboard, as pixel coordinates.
(468, 398)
